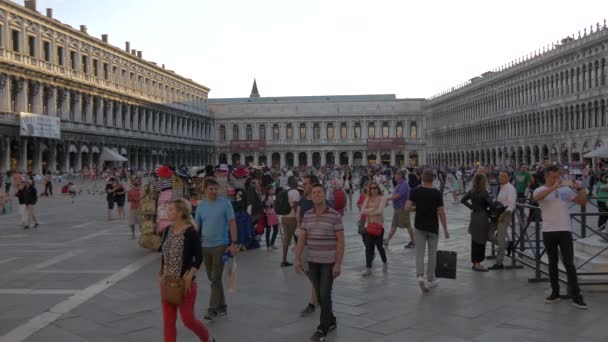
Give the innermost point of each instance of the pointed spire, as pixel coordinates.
(254, 89)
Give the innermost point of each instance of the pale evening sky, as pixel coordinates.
(330, 47)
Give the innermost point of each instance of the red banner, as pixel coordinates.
(247, 145)
(385, 143)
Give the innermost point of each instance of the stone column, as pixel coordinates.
(393, 159)
(6, 160)
(100, 109)
(308, 158)
(5, 93)
(66, 158)
(37, 158)
(37, 100)
(282, 162)
(63, 95)
(52, 100)
(351, 161)
(22, 162)
(21, 105)
(78, 165)
(52, 164)
(323, 158)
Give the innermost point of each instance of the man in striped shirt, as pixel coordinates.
(323, 233)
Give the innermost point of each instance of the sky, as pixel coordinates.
(413, 49)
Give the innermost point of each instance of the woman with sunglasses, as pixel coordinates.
(373, 208)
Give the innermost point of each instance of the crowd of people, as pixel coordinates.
(306, 205)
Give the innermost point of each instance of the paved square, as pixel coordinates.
(79, 278)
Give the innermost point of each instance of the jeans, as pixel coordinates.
(601, 221)
(371, 243)
(321, 276)
(214, 266)
(48, 189)
(186, 310)
(423, 238)
(275, 231)
(500, 228)
(563, 240)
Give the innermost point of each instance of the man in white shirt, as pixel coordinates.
(508, 197)
(554, 199)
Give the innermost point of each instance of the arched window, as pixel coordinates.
(316, 131)
(235, 132)
(249, 133)
(222, 133)
(275, 132)
(289, 132)
(413, 130)
(357, 130)
(343, 131)
(399, 130)
(371, 130)
(385, 129)
(262, 132)
(330, 131)
(302, 131)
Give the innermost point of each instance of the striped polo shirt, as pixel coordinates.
(321, 235)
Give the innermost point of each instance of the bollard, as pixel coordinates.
(513, 244)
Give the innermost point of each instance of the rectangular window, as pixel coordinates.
(46, 51)
(31, 43)
(399, 131)
(371, 132)
(15, 39)
(385, 131)
(357, 132)
(343, 133)
(2, 36)
(85, 64)
(95, 68)
(302, 132)
(106, 71)
(289, 132)
(73, 60)
(60, 55)
(330, 132)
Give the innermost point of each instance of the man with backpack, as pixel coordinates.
(287, 202)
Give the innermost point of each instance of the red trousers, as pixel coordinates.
(186, 310)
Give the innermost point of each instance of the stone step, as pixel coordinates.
(592, 245)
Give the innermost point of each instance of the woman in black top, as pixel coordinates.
(120, 195)
(110, 197)
(479, 226)
(181, 257)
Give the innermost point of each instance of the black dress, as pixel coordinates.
(479, 226)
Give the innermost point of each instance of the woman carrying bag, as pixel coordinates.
(373, 208)
(479, 226)
(181, 258)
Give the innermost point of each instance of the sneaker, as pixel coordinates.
(332, 327)
(309, 310)
(579, 302)
(286, 264)
(433, 283)
(26, 227)
(385, 267)
(210, 315)
(221, 313)
(553, 298)
(410, 245)
(36, 225)
(367, 273)
(424, 286)
(318, 336)
(496, 267)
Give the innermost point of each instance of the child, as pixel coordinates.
(134, 198)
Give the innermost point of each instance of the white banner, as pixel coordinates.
(34, 125)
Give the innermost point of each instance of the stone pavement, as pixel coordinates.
(80, 278)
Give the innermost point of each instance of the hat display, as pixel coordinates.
(240, 172)
(223, 167)
(164, 172)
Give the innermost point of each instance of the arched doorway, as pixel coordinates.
(330, 159)
(386, 159)
(302, 159)
(371, 159)
(357, 159)
(414, 158)
(289, 159)
(236, 159)
(316, 159)
(400, 160)
(344, 158)
(276, 160)
(262, 160)
(223, 159)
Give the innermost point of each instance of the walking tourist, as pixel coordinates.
(181, 259)
(498, 232)
(373, 209)
(20, 194)
(323, 232)
(215, 220)
(480, 199)
(272, 222)
(48, 184)
(134, 198)
(110, 197)
(30, 199)
(428, 203)
(289, 220)
(401, 218)
(554, 198)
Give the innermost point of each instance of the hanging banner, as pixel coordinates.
(247, 145)
(43, 126)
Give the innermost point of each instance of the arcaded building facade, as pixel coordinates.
(550, 105)
(105, 97)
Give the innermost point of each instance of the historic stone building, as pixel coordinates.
(107, 99)
(319, 130)
(549, 105)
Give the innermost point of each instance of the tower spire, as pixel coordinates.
(254, 89)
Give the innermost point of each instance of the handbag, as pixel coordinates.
(495, 210)
(174, 289)
(446, 264)
(374, 229)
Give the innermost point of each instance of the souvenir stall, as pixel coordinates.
(149, 239)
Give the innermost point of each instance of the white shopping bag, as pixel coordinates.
(230, 274)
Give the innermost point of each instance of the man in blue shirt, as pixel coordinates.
(214, 218)
(401, 218)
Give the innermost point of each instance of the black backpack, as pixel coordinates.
(281, 203)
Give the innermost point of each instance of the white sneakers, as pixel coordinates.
(367, 273)
(426, 285)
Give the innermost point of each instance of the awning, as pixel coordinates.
(84, 149)
(95, 149)
(72, 148)
(601, 152)
(110, 155)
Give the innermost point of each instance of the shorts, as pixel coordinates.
(110, 204)
(401, 219)
(289, 228)
(134, 218)
(120, 201)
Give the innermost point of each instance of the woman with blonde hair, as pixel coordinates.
(479, 227)
(373, 209)
(181, 258)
